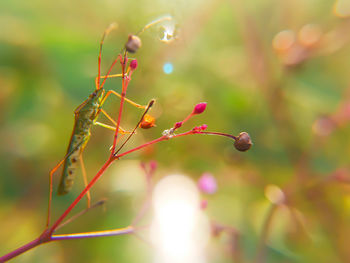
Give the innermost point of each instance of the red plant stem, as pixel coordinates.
(81, 195)
(103, 169)
(163, 138)
(109, 71)
(166, 137)
(99, 203)
(22, 249)
(47, 234)
(125, 82)
(220, 134)
(187, 118)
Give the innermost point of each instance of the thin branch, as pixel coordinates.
(104, 233)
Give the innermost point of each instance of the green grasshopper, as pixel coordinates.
(86, 115)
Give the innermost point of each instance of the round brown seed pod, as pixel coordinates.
(133, 44)
(243, 142)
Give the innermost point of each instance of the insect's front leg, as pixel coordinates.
(126, 99)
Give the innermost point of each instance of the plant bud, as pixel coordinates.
(203, 127)
(147, 122)
(133, 64)
(243, 142)
(199, 108)
(133, 44)
(178, 125)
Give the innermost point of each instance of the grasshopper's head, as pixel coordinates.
(96, 94)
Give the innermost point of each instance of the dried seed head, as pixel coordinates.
(133, 44)
(147, 122)
(243, 142)
(199, 108)
(133, 64)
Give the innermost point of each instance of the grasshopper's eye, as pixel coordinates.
(93, 95)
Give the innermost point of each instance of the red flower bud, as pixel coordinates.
(133, 64)
(199, 108)
(203, 127)
(178, 125)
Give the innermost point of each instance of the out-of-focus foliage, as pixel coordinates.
(289, 91)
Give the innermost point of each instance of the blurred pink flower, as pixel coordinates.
(207, 183)
(153, 166)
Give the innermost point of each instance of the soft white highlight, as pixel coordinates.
(179, 230)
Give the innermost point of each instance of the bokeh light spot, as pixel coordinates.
(342, 8)
(168, 68)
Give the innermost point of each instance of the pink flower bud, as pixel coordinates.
(204, 127)
(178, 125)
(207, 183)
(199, 108)
(133, 64)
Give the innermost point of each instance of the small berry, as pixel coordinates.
(243, 142)
(133, 64)
(133, 44)
(207, 183)
(147, 122)
(199, 108)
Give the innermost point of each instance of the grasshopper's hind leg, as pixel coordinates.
(88, 196)
(121, 130)
(50, 189)
(50, 182)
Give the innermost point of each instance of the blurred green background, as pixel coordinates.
(289, 91)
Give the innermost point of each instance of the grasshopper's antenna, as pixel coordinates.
(105, 33)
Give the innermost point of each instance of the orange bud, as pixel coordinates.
(147, 122)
